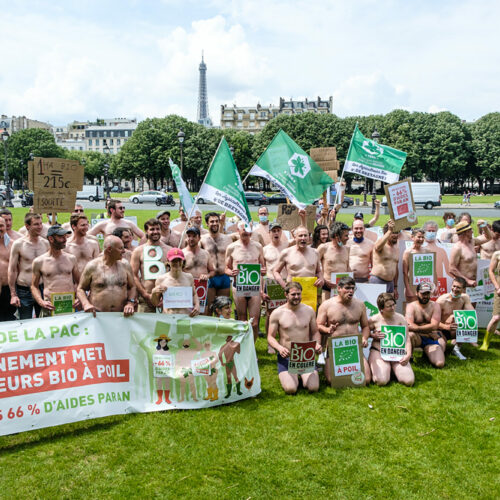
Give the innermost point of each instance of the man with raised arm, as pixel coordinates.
(168, 235)
(116, 212)
(488, 248)
(360, 252)
(293, 322)
(24, 251)
(57, 269)
(110, 281)
(385, 257)
(343, 315)
(148, 264)
(423, 318)
(83, 248)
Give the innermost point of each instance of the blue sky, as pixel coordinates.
(64, 61)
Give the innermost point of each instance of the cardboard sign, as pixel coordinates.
(163, 365)
(288, 217)
(63, 303)
(153, 266)
(309, 291)
(54, 182)
(466, 326)
(201, 288)
(346, 361)
(475, 293)
(276, 294)
(393, 345)
(401, 205)
(422, 268)
(368, 294)
(302, 357)
(178, 297)
(247, 282)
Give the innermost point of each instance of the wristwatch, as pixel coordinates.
(131, 300)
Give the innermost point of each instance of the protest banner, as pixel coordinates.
(393, 345)
(76, 367)
(153, 265)
(276, 294)
(288, 217)
(368, 294)
(302, 357)
(54, 182)
(422, 269)
(346, 361)
(401, 205)
(185, 198)
(247, 282)
(62, 302)
(309, 291)
(201, 288)
(467, 328)
(178, 297)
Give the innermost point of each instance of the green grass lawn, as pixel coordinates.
(438, 439)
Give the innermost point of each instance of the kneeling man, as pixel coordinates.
(295, 322)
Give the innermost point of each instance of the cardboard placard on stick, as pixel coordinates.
(323, 154)
(401, 205)
(347, 365)
(288, 217)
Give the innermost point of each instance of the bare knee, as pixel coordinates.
(438, 363)
(289, 388)
(407, 380)
(379, 379)
(312, 383)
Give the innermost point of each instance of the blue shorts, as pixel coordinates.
(282, 364)
(220, 282)
(428, 341)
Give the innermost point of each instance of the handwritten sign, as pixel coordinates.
(288, 217)
(178, 297)
(401, 204)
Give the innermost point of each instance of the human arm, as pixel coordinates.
(365, 328)
(196, 302)
(83, 286)
(319, 272)
(271, 335)
(128, 309)
(135, 264)
(314, 332)
(35, 283)
(322, 321)
(157, 292)
(135, 230)
(76, 279)
(491, 271)
(12, 274)
(279, 267)
(376, 215)
(408, 347)
(97, 229)
(379, 244)
(486, 233)
(406, 276)
(229, 262)
(210, 269)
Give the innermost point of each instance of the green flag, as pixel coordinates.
(371, 159)
(223, 185)
(184, 194)
(296, 174)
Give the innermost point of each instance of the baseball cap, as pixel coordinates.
(162, 212)
(193, 229)
(57, 229)
(275, 224)
(175, 253)
(359, 215)
(425, 287)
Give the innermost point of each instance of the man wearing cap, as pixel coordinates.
(490, 247)
(57, 270)
(360, 252)
(110, 281)
(215, 243)
(385, 257)
(116, 212)
(423, 317)
(359, 216)
(463, 257)
(168, 236)
(175, 278)
(148, 263)
(23, 251)
(246, 251)
(83, 248)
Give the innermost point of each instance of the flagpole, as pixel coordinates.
(343, 168)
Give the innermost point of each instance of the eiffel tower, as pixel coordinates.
(203, 117)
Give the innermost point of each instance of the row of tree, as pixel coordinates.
(440, 146)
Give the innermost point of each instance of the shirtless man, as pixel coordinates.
(381, 369)
(126, 236)
(246, 251)
(195, 221)
(334, 257)
(7, 216)
(176, 277)
(442, 263)
(418, 240)
(168, 236)
(83, 248)
(342, 315)
(116, 212)
(262, 233)
(385, 257)
(457, 300)
(110, 281)
(24, 251)
(215, 243)
(360, 252)
(152, 228)
(490, 247)
(78, 210)
(423, 317)
(179, 226)
(57, 269)
(7, 310)
(494, 273)
(294, 322)
(299, 260)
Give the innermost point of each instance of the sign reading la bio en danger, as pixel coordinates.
(393, 345)
(302, 357)
(466, 326)
(248, 280)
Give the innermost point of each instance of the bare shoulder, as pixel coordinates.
(307, 311)
(442, 298)
(256, 244)
(400, 318)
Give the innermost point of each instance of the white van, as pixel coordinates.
(91, 193)
(426, 194)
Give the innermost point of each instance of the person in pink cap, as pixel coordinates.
(175, 289)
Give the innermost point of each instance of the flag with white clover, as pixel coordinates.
(222, 184)
(184, 194)
(296, 174)
(370, 159)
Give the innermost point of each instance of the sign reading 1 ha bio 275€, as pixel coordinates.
(346, 361)
(401, 205)
(76, 367)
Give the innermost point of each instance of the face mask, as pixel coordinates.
(450, 222)
(263, 218)
(430, 235)
(456, 296)
(358, 240)
(221, 317)
(340, 244)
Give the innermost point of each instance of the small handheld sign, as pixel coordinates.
(201, 288)
(393, 345)
(466, 326)
(276, 294)
(401, 205)
(346, 361)
(178, 297)
(63, 303)
(248, 280)
(302, 357)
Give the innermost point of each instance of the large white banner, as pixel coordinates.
(68, 368)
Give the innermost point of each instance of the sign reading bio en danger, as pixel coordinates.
(393, 345)
(248, 280)
(466, 326)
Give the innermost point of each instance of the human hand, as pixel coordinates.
(14, 301)
(319, 282)
(284, 352)
(195, 311)
(89, 308)
(128, 310)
